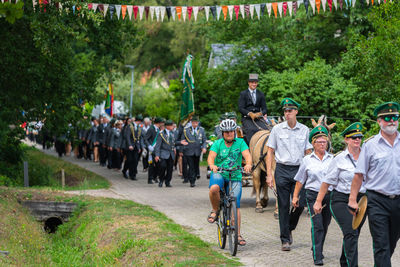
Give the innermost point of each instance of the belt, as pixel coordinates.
(387, 196)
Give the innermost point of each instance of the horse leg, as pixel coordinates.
(256, 188)
(264, 200)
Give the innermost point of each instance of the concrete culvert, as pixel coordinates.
(51, 224)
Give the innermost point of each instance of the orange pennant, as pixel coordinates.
(275, 7)
(372, 1)
(225, 11)
(179, 12)
(318, 3)
(123, 11)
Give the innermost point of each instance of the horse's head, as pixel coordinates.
(322, 120)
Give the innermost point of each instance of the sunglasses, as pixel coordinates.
(388, 118)
(356, 137)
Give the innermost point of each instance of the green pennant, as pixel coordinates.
(187, 105)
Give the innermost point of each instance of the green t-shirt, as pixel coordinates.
(229, 157)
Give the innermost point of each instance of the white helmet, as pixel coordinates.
(228, 125)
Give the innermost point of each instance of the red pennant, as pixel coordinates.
(284, 5)
(90, 6)
(341, 4)
(330, 5)
(247, 10)
(237, 8)
(294, 8)
(190, 10)
(147, 9)
(135, 10)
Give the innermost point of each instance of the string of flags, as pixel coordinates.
(183, 13)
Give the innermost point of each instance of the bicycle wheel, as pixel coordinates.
(233, 229)
(221, 227)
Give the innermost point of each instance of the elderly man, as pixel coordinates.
(379, 166)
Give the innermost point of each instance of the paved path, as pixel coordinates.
(189, 207)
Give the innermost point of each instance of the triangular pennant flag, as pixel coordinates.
(367, 2)
(173, 11)
(323, 2)
(247, 10)
(141, 10)
(299, 2)
(157, 11)
(230, 8)
(306, 4)
(179, 12)
(379, 2)
(318, 5)
(101, 8)
(251, 7)
(152, 9)
(213, 11)
(225, 11)
(237, 8)
(195, 12)
(73, 8)
(105, 9)
(184, 12)
(294, 8)
(275, 8)
(130, 8)
(147, 11)
(354, 3)
(341, 4)
(190, 10)
(34, 3)
(312, 3)
(280, 7)
(123, 10)
(269, 6)
(372, 2)
(207, 11)
(168, 9)
(257, 8)
(94, 7)
(284, 5)
(262, 9)
(218, 11)
(90, 5)
(290, 7)
(330, 5)
(162, 12)
(112, 9)
(242, 10)
(118, 10)
(335, 4)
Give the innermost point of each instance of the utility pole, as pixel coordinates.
(130, 103)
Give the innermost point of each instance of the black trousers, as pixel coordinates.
(80, 149)
(116, 159)
(285, 183)
(250, 127)
(146, 161)
(153, 171)
(319, 223)
(132, 159)
(341, 214)
(126, 165)
(166, 167)
(384, 220)
(102, 154)
(193, 162)
(185, 170)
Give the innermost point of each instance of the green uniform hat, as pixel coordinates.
(231, 115)
(195, 118)
(112, 121)
(169, 122)
(139, 117)
(388, 108)
(288, 103)
(222, 117)
(317, 132)
(158, 120)
(353, 130)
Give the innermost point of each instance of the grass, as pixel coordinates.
(101, 232)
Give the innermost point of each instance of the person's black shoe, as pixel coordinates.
(290, 238)
(168, 185)
(124, 174)
(198, 177)
(185, 181)
(155, 180)
(150, 182)
(133, 178)
(318, 262)
(108, 166)
(192, 185)
(159, 184)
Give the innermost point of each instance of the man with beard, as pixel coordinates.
(379, 167)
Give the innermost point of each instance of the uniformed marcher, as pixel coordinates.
(340, 176)
(134, 137)
(124, 146)
(150, 141)
(379, 167)
(288, 143)
(115, 145)
(109, 133)
(164, 152)
(313, 169)
(145, 156)
(93, 140)
(253, 107)
(196, 138)
(101, 135)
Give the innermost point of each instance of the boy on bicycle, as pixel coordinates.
(227, 153)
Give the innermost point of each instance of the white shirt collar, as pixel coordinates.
(326, 155)
(255, 90)
(286, 125)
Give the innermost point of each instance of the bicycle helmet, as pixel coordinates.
(228, 125)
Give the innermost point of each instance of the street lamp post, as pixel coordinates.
(130, 103)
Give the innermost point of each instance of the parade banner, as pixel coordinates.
(109, 100)
(187, 105)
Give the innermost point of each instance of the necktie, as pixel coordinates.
(194, 133)
(170, 138)
(253, 96)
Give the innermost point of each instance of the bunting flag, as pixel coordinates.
(213, 11)
(118, 10)
(173, 11)
(187, 105)
(275, 8)
(147, 11)
(237, 8)
(195, 12)
(207, 11)
(290, 7)
(162, 13)
(262, 9)
(112, 9)
(224, 11)
(141, 10)
(354, 3)
(184, 12)
(247, 10)
(312, 3)
(218, 11)
(269, 9)
(280, 7)
(258, 8)
(335, 4)
(179, 12)
(323, 2)
(251, 7)
(294, 8)
(123, 10)
(330, 5)
(284, 5)
(108, 107)
(157, 11)
(152, 9)
(105, 9)
(242, 10)
(306, 4)
(189, 11)
(168, 9)
(318, 5)
(230, 8)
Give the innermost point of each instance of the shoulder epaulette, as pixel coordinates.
(338, 153)
(369, 138)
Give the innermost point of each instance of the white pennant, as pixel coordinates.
(242, 10)
(312, 2)
(163, 9)
(379, 1)
(367, 2)
(207, 10)
(130, 8)
(323, 2)
(269, 9)
(61, 7)
(184, 12)
(290, 4)
(251, 11)
(158, 13)
(94, 8)
(173, 12)
(195, 12)
(299, 3)
(118, 9)
(219, 8)
(141, 9)
(258, 9)
(280, 7)
(105, 9)
(230, 8)
(152, 12)
(335, 3)
(34, 2)
(354, 3)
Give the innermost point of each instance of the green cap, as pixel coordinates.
(112, 121)
(353, 130)
(158, 120)
(223, 116)
(139, 117)
(388, 108)
(317, 132)
(195, 118)
(231, 115)
(288, 103)
(169, 122)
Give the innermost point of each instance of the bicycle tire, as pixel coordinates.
(232, 221)
(221, 227)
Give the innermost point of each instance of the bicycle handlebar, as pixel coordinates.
(221, 169)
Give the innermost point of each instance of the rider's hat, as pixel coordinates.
(169, 122)
(353, 130)
(158, 120)
(253, 77)
(288, 103)
(231, 115)
(318, 132)
(388, 108)
(195, 118)
(139, 117)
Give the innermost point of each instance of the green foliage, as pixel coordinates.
(11, 11)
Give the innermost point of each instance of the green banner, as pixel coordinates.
(187, 105)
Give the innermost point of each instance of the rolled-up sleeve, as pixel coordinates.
(362, 162)
(301, 175)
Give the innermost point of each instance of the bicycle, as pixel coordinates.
(228, 218)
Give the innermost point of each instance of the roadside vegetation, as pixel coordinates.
(101, 232)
